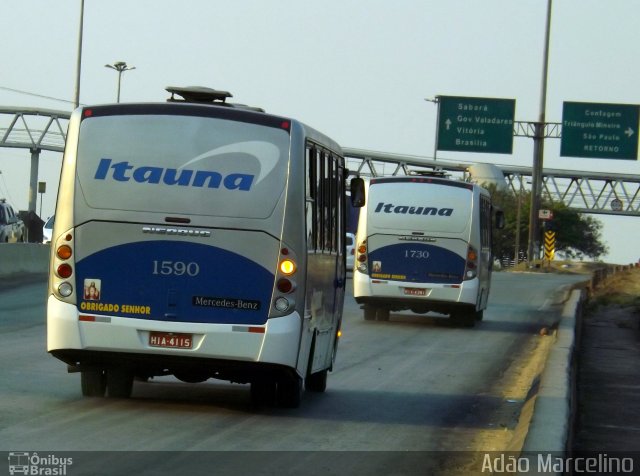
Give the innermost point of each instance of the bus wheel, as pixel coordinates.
(119, 383)
(93, 383)
(382, 314)
(479, 315)
(263, 392)
(369, 313)
(464, 318)
(316, 382)
(290, 392)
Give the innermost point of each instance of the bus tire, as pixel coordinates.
(316, 382)
(93, 383)
(119, 383)
(369, 313)
(263, 392)
(289, 392)
(464, 318)
(382, 314)
(479, 315)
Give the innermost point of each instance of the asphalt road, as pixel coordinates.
(415, 383)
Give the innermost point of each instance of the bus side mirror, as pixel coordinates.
(499, 219)
(357, 192)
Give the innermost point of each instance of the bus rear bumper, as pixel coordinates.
(113, 340)
(421, 297)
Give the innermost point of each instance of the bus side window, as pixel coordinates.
(311, 207)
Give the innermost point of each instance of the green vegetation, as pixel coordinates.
(621, 289)
(577, 235)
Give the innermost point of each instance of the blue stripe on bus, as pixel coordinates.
(175, 281)
(416, 262)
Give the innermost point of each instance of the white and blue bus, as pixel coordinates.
(424, 244)
(199, 239)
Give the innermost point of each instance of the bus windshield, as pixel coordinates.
(146, 162)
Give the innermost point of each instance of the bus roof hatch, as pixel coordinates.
(197, 94)
(204, 95)
(438, 172)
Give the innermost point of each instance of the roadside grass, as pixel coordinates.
(621, 289)
(561, 267)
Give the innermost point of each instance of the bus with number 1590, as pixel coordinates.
(200, 239)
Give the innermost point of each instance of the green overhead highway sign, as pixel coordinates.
(603, 131)
(469, 124)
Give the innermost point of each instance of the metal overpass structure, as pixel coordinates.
(586, 192)
(36, 130)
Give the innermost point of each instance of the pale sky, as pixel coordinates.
(357, 70)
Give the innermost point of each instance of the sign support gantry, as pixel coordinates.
(36, 130)
(584, 192)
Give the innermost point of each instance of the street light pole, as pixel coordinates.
(538, 152)
(436, 101)
(76, 97)
(120, 67)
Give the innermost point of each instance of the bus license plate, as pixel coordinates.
(170, 340)
(415, 291)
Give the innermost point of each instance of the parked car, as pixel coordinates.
(351, 250)
(11, 226)
(47, 230)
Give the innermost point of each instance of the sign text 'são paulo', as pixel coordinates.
(604, 131)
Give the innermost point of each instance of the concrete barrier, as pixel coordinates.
(551, 425)
(20, 258)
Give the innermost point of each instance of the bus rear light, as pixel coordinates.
(285, 286)
(65, 289)
(281, 304)
(64, 252)
(64, 271)
(361, 258)
(287, 267)
(471, 266)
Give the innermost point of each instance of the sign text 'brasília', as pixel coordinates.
(469, 124)
(603, 131)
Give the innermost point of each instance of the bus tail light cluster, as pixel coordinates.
(64, 266)
(362, 257)
(471, 267)
(283, 301)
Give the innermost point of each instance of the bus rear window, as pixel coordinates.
(405, 206)
(181, 165)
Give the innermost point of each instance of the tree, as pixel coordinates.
(577, 235)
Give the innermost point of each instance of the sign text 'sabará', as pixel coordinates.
(468, 124)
